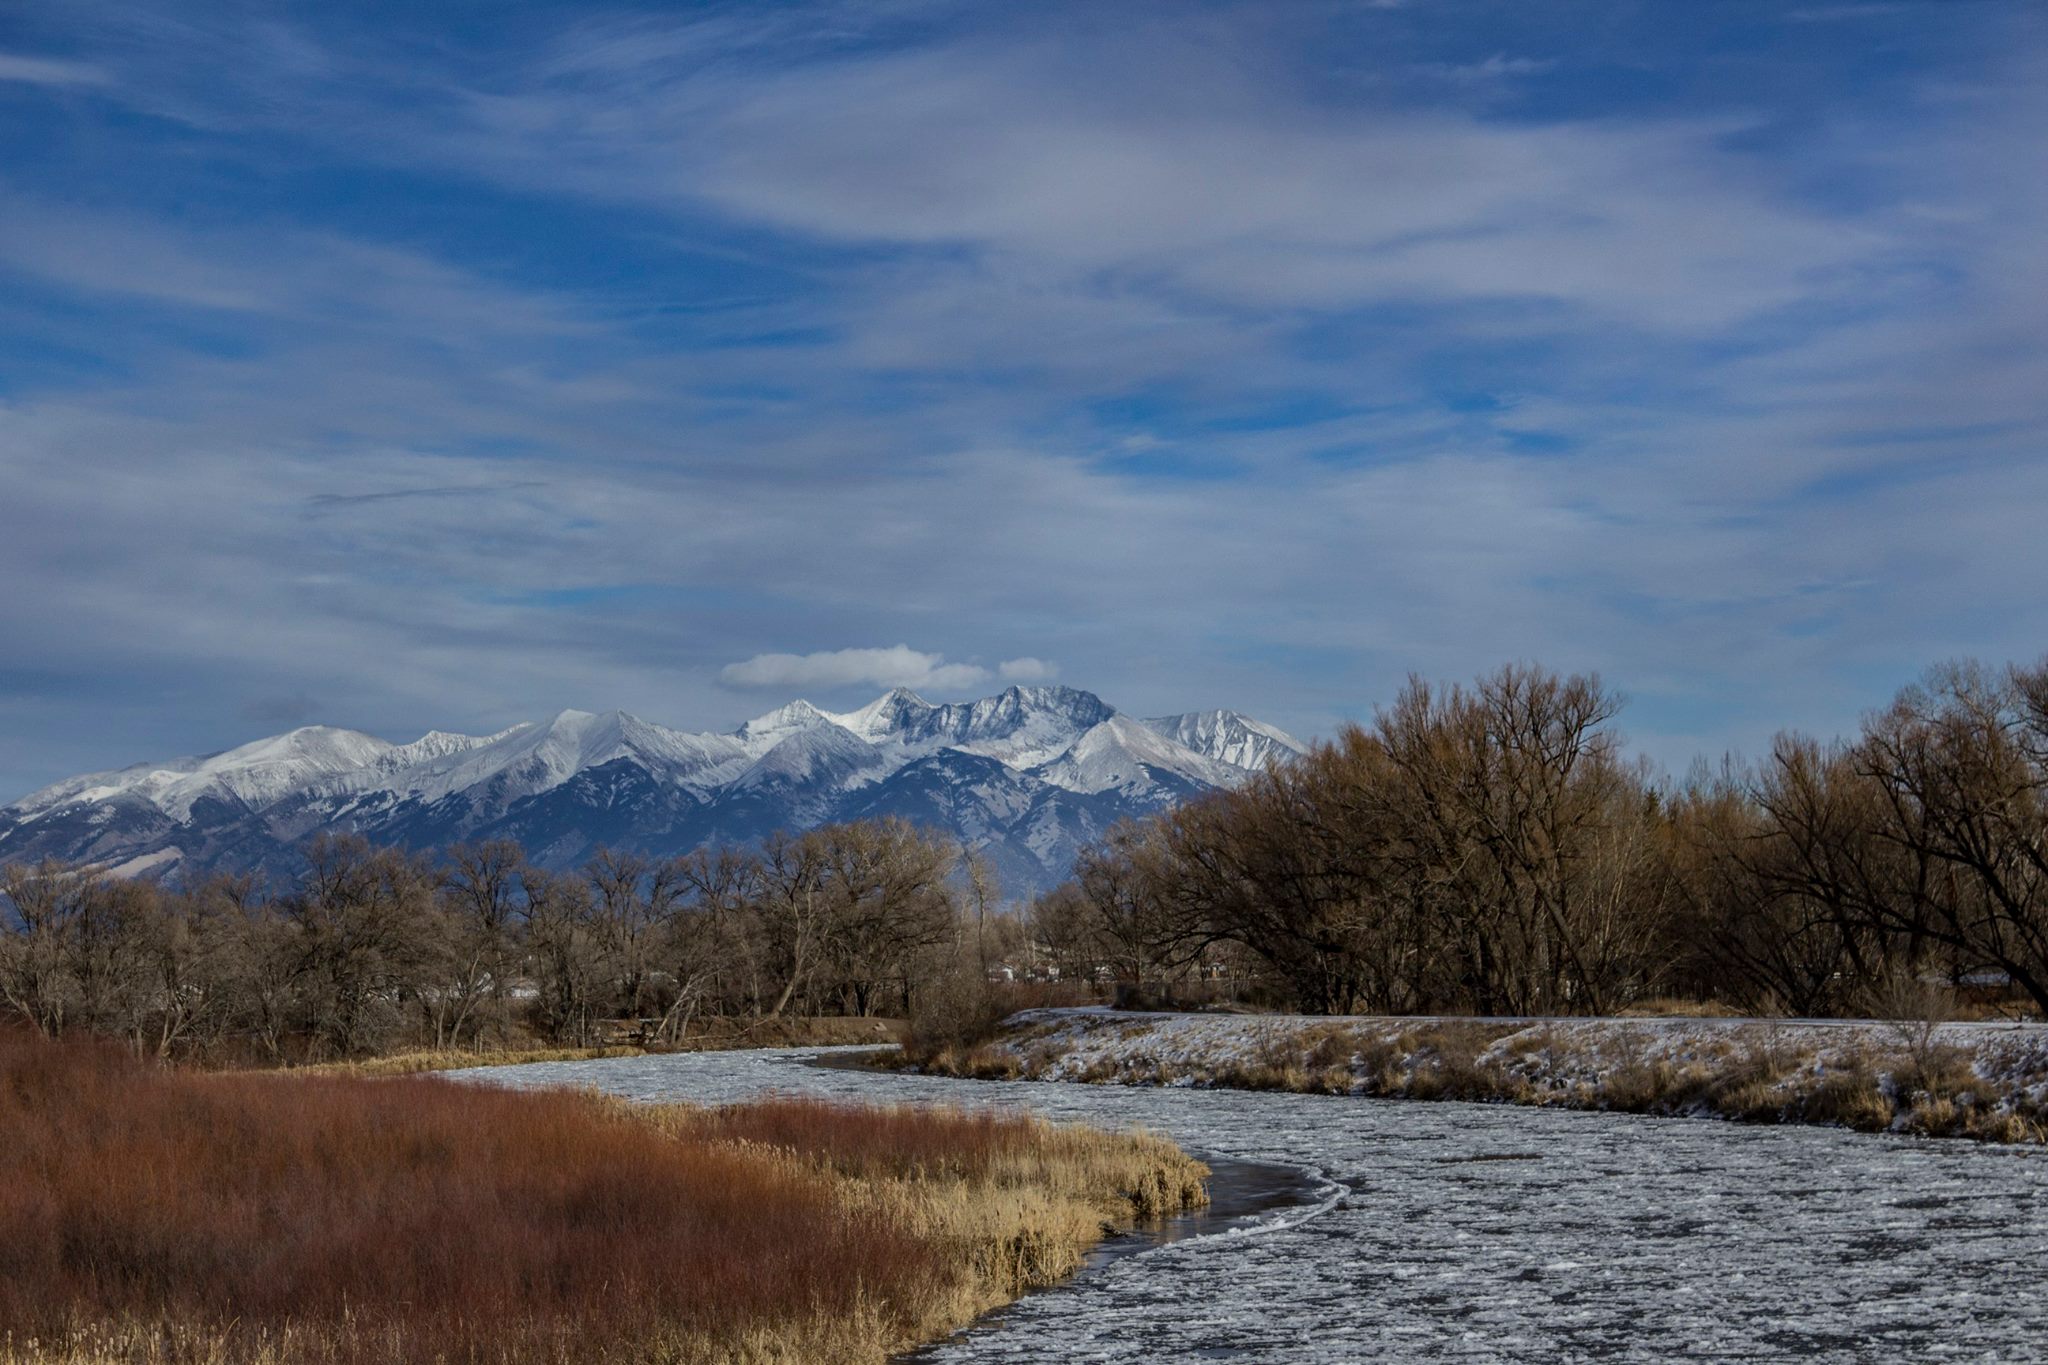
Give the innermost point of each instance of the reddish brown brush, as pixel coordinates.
(432, 1219)
(869, 1141)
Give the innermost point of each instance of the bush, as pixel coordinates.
(956, 1006)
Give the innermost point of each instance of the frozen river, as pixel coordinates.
(1493, 1233)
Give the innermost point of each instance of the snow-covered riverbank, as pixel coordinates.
(1986, 1080)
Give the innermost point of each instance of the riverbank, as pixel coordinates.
(1495, 1231)
(716, 1035)
(163, 1216)
(1987, 1081)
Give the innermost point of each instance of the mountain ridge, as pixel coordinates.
(1026, 776)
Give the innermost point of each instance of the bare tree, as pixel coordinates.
(1965, 799)
(888, 896)
(566, 956)
(45, 901)
(357, 915)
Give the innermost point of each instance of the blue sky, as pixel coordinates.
(400, 366)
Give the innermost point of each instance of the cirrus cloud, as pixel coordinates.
(50, 71)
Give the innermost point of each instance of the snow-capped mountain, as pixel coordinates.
(1027, 776)
(1229, 737)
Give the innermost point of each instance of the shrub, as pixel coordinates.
(1851, 1097)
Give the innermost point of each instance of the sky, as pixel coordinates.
(408, 366)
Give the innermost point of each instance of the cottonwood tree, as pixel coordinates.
(1482, 848)
(888, 898)
(717, 943)
(356, 915)
(792, 913)
(185, 959)
(564, 954)
(1959, 763)
(1132, 933)
(44, 903)
(479, 905)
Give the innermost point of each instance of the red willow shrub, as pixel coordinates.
(409, 1220)
(946, 1143)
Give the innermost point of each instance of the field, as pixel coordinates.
(151, 1215)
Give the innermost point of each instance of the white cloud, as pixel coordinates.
(1829, 14)
(1499, 66)
(1027, 669)
(896, 666)
(50, 71)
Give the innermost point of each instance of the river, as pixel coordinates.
(1463, 1232)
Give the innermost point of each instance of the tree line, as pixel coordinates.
(1485, 849)
(373, 948)
(1491, 849)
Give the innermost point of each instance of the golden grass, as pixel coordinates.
(451, 1059)
(174, 1218)
(719, 1036)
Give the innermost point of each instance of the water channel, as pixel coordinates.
(1404, 1231)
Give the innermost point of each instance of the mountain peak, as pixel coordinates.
(887, 714)
(763, 733)
(1084, 708)
(825, 753)
(1229, 737)
(1132, 757)
(1051, 694)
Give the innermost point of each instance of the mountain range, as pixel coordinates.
(1026, 776)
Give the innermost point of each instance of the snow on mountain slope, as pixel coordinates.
(1229, 737)
(528, 759)
(434, 744)
(1020, 726)
(254, 774)
(823, 755)
(139, 780)
(1124, 755)
(891, 715)
(763, 733)
(1029, 774)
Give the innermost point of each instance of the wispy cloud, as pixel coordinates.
(55, 72)
(1223, 352)
(895, 666)
(1027, 670)
(1829, 14)
(462, 490)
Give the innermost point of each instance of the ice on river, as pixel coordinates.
(1498, 1233)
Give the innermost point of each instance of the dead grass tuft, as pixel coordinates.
(1674, 1007)
(1850, 1097)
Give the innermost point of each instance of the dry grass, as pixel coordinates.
(1676, 1007)
(155, 1216)
(450, 1059)
(1900, 1080)
(717, 1035)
